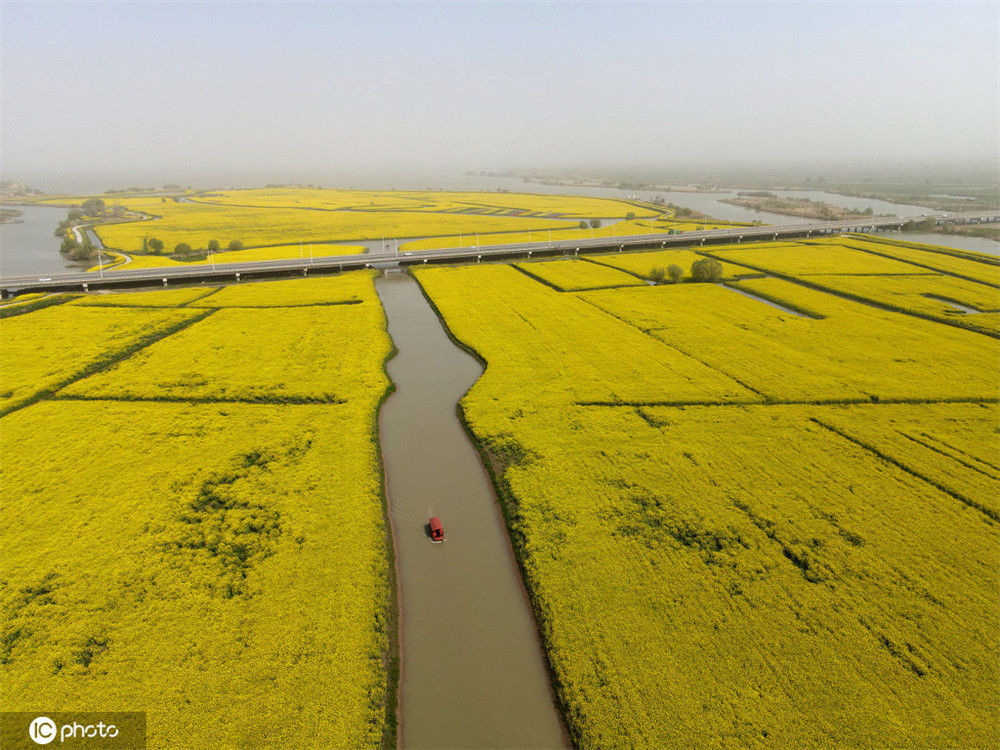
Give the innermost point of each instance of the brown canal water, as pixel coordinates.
(473, 673)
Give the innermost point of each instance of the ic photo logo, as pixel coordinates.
(73, 730)
(42, 730)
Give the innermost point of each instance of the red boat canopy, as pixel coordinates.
(437, 530)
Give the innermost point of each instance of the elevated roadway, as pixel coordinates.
(228, 272)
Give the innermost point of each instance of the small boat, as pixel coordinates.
(437, 530)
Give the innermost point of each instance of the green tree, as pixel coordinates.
(675, 272)
(214, 246)
(154, 245)
(630, 215)
(234, 245)
(706, 269)
(657, 274)
(182, 248)
(93, 206)
(595, 223)
(74, 214)
(583, 224)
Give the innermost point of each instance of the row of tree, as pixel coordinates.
(702, 270)
(182, 250)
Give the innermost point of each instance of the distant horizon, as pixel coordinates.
(979, 175)
(269, 92)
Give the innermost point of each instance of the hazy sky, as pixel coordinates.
(288, 91)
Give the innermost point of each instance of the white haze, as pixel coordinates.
(113, 94)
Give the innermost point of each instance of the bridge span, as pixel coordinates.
(229, 272)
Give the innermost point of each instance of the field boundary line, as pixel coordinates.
(971, 457)
(192, 306)
(855, 298)
(539, 279)
(105, 362)
(13, 309)
(921, 265)
(765, 297)
(793, 402)
(287, 401)
(944, 453)
(646, 332)
(989, 513)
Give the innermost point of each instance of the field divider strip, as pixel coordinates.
(793, 402)
(765, 297)
(968, 455)
(105, 362)
(608, 265)
(14, 309)
(956, 274)
(646, 332)
(988, 512)
(283, 401)
(956, 459)
(954, 252)
(194, 306)
(539, 279)
(853, 297)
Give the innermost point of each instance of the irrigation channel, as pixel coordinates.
(473, 674)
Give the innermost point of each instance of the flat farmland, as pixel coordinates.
(803, 555)
(174, 529)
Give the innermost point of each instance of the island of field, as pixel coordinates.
(291, 222)
(193, 518)
(754, 513)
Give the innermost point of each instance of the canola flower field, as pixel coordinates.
(271, 222)
(905, 281)
(612, 229)
(175, 496)
(742, 525)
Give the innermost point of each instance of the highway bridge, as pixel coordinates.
(229, 272)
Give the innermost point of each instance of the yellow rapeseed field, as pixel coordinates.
(547, 347)
(622, 228)
(169, 546)
(747, 572)
(191, 561)
(43, 350)
(574, 275)
(321, 353)
(642, 263)
(196, 222)
(177, 297)
(984, 268)
(274, 252)
(853, 352)
(744, 577)
(496, 203)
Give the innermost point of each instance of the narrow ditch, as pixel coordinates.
(472, 670)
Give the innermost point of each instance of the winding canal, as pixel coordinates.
(472, 672)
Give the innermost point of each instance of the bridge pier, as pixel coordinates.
(237, 275)
(305, 271)
(86, 286)
(164, 280)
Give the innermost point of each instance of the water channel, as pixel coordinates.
(29, 245)
(473, 673)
